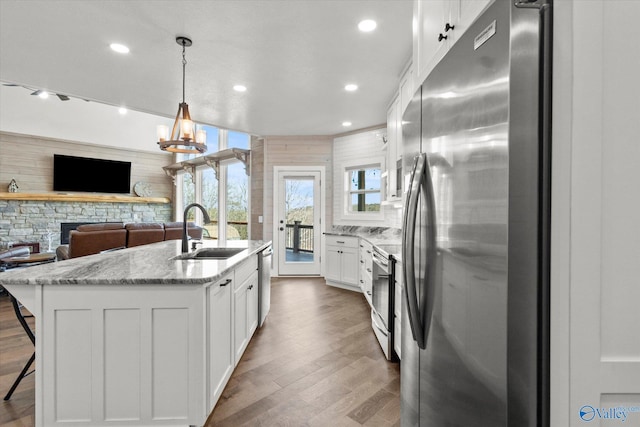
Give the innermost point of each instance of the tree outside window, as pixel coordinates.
(364, 189)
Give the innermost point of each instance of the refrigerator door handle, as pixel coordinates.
(408, 250)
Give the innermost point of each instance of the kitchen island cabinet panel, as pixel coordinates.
(127, 355)
(245, 304)
(220, 321)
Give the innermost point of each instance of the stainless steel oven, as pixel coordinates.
(381, 316)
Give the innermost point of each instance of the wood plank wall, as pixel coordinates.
(296, 151)
(257, 187)
(29, 160)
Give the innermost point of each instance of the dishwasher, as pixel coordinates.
(264, 283)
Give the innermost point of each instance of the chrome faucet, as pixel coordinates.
(185, 242)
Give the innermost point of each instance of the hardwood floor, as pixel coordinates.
(315, 362)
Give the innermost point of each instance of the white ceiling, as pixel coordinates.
(294, 56)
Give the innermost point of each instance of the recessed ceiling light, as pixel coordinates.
(120, 48)
(367, 25)
(43, 94)
(351, 87)
(346, 124)
(122, 110)
(239, 88)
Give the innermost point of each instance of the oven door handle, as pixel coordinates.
(374, 320)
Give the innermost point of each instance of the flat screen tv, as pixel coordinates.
(72, 173)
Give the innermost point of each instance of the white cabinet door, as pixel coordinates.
(333, 269)
(349, 265)
(245, 313)
(431, 40)
(469, 11)
(252, 305)
(406, 92)
(240, 327)
(393, 130)
(221, 360)
(439, 24)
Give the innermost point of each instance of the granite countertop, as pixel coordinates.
(147, 264)
(387, 239)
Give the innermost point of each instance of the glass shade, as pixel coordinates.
(186, 128)
(201, 136)
(163, 132)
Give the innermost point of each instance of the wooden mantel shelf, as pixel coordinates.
(80, 197)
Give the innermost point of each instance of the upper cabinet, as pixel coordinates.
(393, 153)
(437, 24)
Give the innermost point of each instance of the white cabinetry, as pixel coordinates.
(245, 305)
(342, 261)
(220, 337)
(394, 133)
(393, 154)
(439, 23)
(366, 269)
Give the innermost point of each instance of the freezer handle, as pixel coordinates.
(408, 248)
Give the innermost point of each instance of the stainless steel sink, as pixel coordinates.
(210, 253)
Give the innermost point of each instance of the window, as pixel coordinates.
(188, 195)
(237, 202)
(364, 189)
(225, 197)
(209, 194)
(238, 140)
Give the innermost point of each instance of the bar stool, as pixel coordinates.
(6, 255)
(21, 318)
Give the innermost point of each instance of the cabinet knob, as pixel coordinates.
(441, 37)
(281, 229)
(448, 27)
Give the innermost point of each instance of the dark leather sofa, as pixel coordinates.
(89, 239)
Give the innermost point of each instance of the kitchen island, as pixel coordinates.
(135, 336)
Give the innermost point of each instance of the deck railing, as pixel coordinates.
(299, 237)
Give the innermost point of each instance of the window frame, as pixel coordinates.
(222, 190)
(346, 169)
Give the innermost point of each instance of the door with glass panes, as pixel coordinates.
(298, 211)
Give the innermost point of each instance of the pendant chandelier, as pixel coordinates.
(184, 137)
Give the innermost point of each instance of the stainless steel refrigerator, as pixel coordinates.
(476, 170)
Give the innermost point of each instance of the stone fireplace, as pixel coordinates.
(49, 222)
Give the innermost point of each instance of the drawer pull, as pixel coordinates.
(225, 283)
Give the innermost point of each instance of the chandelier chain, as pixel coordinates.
(184, 64)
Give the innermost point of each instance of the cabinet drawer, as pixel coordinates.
(245, 270)
(342, 241)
